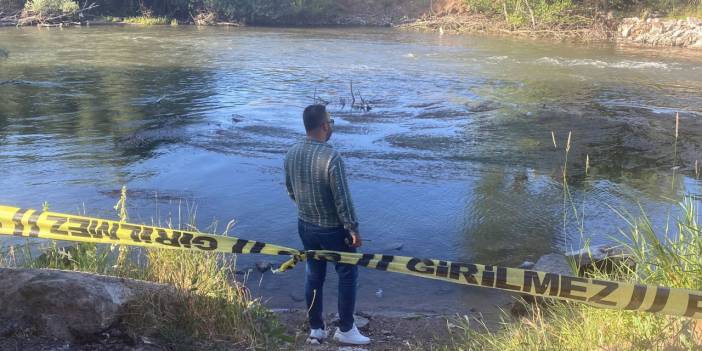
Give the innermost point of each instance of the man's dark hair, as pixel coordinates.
(314, 116)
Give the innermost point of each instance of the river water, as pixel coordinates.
(454, 160)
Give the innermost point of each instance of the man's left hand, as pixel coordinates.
(355, 239)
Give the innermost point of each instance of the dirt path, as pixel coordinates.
(387, 330)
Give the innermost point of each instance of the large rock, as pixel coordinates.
(603, 258)
(553, 263)
(70, 306)
(654, 31)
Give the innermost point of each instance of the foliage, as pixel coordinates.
(205, 309)
(51, 7)
(249, 11)
(532, 14)
(216, 309)
(675, 261)
(147, 20)
(577, 13)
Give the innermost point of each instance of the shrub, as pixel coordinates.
(147, 20)
(672, 258)
(51, 7)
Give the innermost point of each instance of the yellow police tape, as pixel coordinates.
(598, 293)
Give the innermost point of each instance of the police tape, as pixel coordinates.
(598, 293)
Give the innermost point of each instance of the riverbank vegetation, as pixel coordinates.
(585, 19)
(669, 256)
(255, 12)
(579, 19)
(675, 261)
(208, 309)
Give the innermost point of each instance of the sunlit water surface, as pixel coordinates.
(455, 160)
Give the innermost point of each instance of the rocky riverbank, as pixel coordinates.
(61, 310)
(660, 32)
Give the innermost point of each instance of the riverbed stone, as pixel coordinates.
(527, 265)
(553, 263)
(263, 266)
(70, 306)
(601, 257)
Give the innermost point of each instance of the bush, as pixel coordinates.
(672, 258)
(207, 308)
(149, 21)
(51, 7)
(534, 13)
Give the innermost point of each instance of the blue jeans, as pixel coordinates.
(319, 238)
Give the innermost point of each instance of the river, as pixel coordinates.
(454, 160)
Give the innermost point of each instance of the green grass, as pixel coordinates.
(51, 7)
(673, 262)
(207, 309)
(572, 14)
(694, 11)
(534, 14)
(148, 21)
(109, 19)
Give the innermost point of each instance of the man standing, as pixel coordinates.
(316, 180)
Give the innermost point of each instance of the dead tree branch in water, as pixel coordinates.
(9, 19)
(353, 98)
(364, 106)
(318, 99)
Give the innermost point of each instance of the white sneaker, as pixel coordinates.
(353, 337)
(316, 336)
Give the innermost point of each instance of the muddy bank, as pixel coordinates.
(387, 330)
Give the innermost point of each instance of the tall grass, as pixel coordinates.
(675, 261)
(51, 7)
(670, 256)
(147, 20)
(205, 308)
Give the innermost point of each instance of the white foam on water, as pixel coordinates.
(624, 64)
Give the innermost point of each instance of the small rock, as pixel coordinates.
(553, 263)
(263, 266)
(148, 347)
(361, 322)
(393, 247)
(527, 265)
(602, 257)
(283, 310)
(297, 297)
(483, 106)
(147, 340)
(312, 341)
